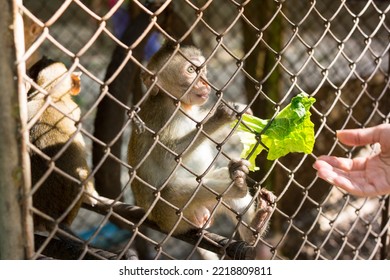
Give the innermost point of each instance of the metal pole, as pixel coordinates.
(384, 253)
(14, 240)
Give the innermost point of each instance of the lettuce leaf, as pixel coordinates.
(290, 131)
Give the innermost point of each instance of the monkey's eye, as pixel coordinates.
(191, 69)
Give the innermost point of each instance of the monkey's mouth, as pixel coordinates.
(203, 95)
(202, 92)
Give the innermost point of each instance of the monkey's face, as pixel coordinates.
(183, 76)
(195, 88)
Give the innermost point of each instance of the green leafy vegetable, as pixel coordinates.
(290, 131)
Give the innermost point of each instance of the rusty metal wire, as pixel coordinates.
(260, 53)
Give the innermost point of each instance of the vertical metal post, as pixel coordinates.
(26, 199)
(386, 210)
(15, 219)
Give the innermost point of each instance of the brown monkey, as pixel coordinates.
(172, 157)
(59, 170)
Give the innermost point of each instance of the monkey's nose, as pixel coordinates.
(204, 82)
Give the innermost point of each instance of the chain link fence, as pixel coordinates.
(258, 52)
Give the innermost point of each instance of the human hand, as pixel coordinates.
(361, 176)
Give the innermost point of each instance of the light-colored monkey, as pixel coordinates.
(59, 170)
(172, 157)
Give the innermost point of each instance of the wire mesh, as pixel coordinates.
(260, 53)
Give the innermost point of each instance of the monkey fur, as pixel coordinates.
(172, 158)
(59, 170)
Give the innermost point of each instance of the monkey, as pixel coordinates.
(59, 169)
(171, 157)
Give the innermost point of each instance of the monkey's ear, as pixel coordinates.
(76, 83)
(147, 79)
(35, 29)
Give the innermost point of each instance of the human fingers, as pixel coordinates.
(325, 170)
(345, 164)
(349, 181)
(364, 136)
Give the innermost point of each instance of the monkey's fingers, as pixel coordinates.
(261, 219)
(242, 109)
(267, 196)
(202, 218)
(238, 170)
(241, 164)
(239, 181)
(225, 112)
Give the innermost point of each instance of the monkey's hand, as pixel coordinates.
(238, 170)
(220, 117)
(266, 199)
(224, 112)
(90, 196)
(202, 217)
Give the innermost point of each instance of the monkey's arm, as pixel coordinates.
(216, 119)
(127, 216)
(221, 116)
(227, 181)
